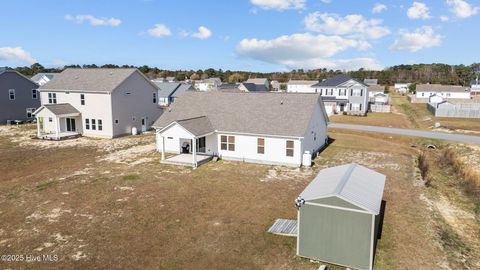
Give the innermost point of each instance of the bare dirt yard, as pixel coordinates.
(110, 204)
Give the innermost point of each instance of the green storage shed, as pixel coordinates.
(340, 215)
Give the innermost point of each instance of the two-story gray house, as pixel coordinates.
(19, 97)
(98, 102)
(342, 94)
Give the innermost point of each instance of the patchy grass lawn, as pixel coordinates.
(394, 120)
(111, 204)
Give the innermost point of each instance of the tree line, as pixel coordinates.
(418, 73)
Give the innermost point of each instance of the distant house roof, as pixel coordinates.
(59, 109)
(211, 80)
(370, 82)
(440, 88)
(253, 87)
(474, 82)
(90, 79)
(37, 77)
(228, 86)
(376, 88)
(280, 114)
(171, 79)
(353, 183)
(181, 89)
(257, 80)
(302, 82)
(197, 126)
(337, 81)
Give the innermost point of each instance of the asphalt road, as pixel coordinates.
(410, 132)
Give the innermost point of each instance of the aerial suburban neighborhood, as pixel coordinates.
(301, 135)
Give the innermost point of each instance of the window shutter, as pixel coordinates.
(351, 93)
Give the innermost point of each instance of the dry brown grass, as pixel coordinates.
(97, 213)
(373, 119)
(470, 174)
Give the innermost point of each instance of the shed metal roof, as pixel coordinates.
(352, 182)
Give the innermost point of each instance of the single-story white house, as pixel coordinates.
(402, 87)
(425, 91)
(301, 86)
(269, 128)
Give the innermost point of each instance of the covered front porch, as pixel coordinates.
(58, 122)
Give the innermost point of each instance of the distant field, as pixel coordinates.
(111, 204)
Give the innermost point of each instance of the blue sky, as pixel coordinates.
(256, 35)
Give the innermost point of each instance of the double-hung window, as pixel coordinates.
(154, 98)
(260, 146)
(94, 125)
(34, 94)
(100, 127)
(52, 98)
(82, 99)
(11, 94)
(227, 143)
(289, 148)
(87, 123)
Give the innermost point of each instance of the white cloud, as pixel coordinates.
(348, 25)
(306, 51)
(159, 30)
(421, 38)
(444, 18)
(279, 4)
(379, 8)
(93, 20)
(16, 54)
(462, 9)
(203, 33)
(419, 11)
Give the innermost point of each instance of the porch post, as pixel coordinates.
(163, 147)
(38, 128)
(57, 124)
(194, 151)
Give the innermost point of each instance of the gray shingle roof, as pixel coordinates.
(61, 108)
(89, 80)
(181, 89)
(336, 81)
(281, 114)
(440, 88)
(371, 81)
(257, 80)
(351, 182)
(166, 89)
(376, 88)
(197, 126)
(252, 87)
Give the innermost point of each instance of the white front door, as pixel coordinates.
(144, 124)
